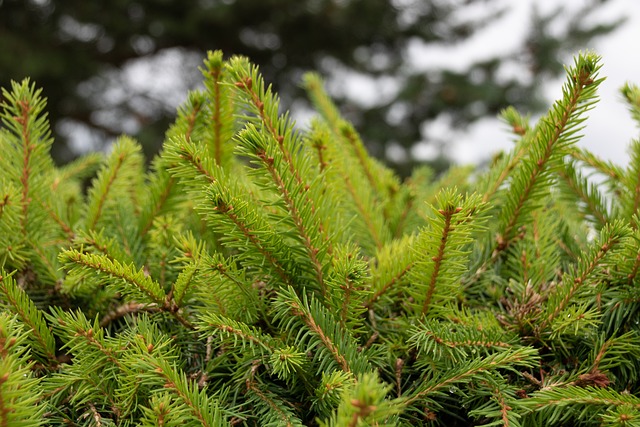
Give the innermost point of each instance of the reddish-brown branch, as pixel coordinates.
(27, 321)
(352, 138)
(217, 124)
(634, 271)
(541, 164)
(123, 310)
(66, 228)
(395, 279)
(346, 298)
(365, 214)
(166, 191)
(246, 84)
(195, 409)
(329, 345)
(197, 163)
(636, 199)
(403, 217)
(103, 196)
(437, 259)
(28, 148)
(312, 251)
(593, 208)
(578, 282)
(228, 211)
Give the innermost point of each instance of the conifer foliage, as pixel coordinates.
(262, 275)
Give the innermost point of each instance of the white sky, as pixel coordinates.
(609, 128)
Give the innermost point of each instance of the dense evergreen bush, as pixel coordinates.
(261, 275)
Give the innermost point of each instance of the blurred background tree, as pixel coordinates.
(116, 66)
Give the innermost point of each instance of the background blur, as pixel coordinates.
(420, 79)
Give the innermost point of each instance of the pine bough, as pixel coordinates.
(261, 275)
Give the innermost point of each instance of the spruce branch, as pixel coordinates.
(630, 197)
(16, 299)
(85, 340)
(269, 405)
(611, 237)
(504, 166)
(162, 251)
(554, 134)
(294, 280)
(328, 393)
(238, 334)
(441, 341)
(23, 116)
(631, 94)
(369, 185)
(188, 162)
(536, 258)
(507, 415)
(589, 199)
(441, 252)
(124, 310)
(79, 169)
(220, 108)
(438, 257)
(405, 207)
(96, 242)
(227, 289)
(89, 381)
(261, 101)
(314, 85)
(364, 402)
(163, 194)
(151, 361)
(373, 222)
(183, 283)
(316, 138)
(190, 117)
(21, 397)
(560, 403)
(407, 200)
(474, 369)
(347, 287)
(351, 136)
(519, 124)
(286, 361)
(119, 175)
(294, 196)
(377, 177)
(390, 269)
(614, 356)
(606, 168)
(13, 253)
(160, 412)
(201, 406)
(159, 199)
(273, 141)
(246, 228)
(336, 347)
(270, 409)
(630, 259)
(620, 299)
(126, 279)
(65, 227)
(495, 401)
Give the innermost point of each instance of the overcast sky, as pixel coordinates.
(609, 127)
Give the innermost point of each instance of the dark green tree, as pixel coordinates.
(83, 53)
